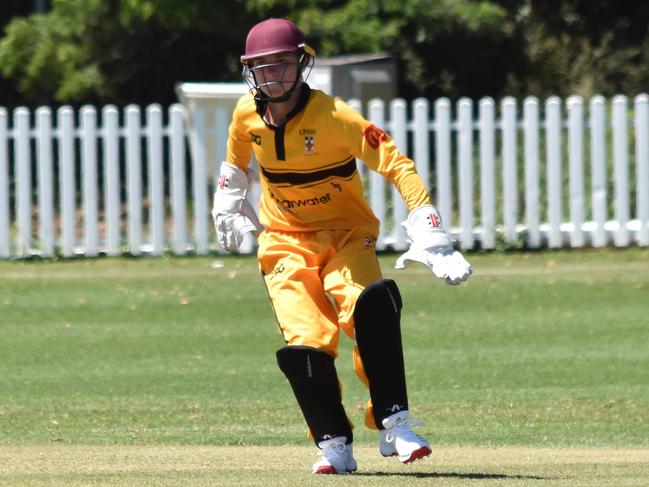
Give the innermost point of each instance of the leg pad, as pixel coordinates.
(313, 378)
(377, 318)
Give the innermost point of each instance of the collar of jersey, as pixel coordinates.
(305, 92)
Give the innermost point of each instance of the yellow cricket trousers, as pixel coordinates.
(313, 280)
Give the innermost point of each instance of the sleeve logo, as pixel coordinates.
(374, 136)
(255, 138)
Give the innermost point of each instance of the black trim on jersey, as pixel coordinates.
(343, 171)
(280, 150)
(301, 102)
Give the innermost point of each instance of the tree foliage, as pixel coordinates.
(585, 47)
(125, 51)
(10, 9)
(118, 51)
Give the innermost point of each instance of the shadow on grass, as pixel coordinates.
(452, 475)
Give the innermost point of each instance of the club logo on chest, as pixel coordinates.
(309, 140)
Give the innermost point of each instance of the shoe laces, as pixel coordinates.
(334, 450)
(403, 430)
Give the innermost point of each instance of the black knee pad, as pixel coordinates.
(381, 299)
(377, 318)
(313, 378)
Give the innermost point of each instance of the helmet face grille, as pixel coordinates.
(276, 81)
(262, 80)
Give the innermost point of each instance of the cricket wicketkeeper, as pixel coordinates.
(317, 239)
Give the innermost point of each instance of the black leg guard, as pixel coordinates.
(378, 334)
(312, 375)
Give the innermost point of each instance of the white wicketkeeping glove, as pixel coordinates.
(233, 215)
(430, 245)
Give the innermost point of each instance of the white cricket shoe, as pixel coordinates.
(398, 439)
(337, 457)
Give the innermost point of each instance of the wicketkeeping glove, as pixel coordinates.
(430, 245)
(233, 215)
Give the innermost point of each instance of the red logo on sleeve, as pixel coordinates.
(374, 136)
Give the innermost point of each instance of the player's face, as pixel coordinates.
(275, 74)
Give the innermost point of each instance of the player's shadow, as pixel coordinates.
(451, 475)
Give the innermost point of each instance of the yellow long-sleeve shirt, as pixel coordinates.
(309, 176)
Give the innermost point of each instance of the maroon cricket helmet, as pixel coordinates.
(273, 36)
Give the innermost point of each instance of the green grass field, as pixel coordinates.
(162, 372)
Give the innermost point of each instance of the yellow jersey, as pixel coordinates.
(308, 169)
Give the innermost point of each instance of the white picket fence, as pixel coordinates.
(70, 224)
(69, 188)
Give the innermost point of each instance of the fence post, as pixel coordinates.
(89, 168)
(112, 186)
(575, 107)
(487, 173)
(621, 170)
(23, 180)
(598, 168)
(531, 156)
(199, 182)
(156, 178)
(553, 150)
(377, 182)
(421, 139)
(222, 116)
(465, 171)
(399, 209)
(642, 166)
(5, 222)
(134, 179)
(178, 191)
(356, 105)
(67, 190)
(443, 161)
(510, 169)
(45, 180)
